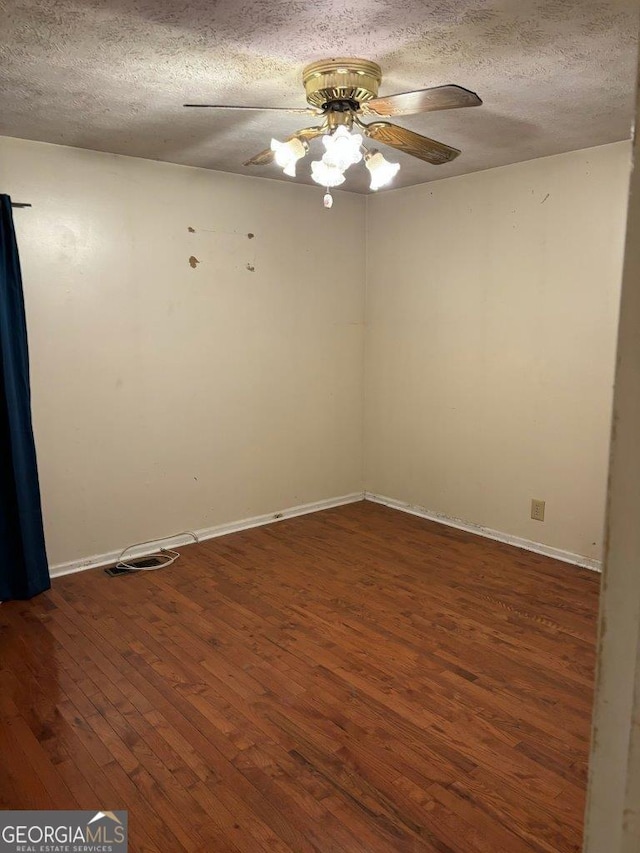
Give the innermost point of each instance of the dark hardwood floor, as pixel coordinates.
(354, 681)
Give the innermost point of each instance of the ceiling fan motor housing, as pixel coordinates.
(341, 83)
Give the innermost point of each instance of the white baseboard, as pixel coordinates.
(108, 559)
(488, 533)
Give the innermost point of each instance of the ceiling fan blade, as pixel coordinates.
(423, 100)
(266, 156)
(294, 110)
(261, 159)
(410, 142)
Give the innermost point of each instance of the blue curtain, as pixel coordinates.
(23, 560)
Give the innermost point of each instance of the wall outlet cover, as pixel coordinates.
(537, 510)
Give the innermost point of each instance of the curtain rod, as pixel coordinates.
(20, 204)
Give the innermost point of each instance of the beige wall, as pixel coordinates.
(491, 317)
(613, 811)
(166, 397)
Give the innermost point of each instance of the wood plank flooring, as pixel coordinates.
(354, 681)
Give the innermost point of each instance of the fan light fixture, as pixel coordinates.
(340, 92)
(343, 149)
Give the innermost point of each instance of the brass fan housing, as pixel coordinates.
(343, 79)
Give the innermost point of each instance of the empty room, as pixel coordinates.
(320, 362)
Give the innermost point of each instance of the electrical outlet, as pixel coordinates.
(537, 510)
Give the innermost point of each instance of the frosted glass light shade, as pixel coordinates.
(288, 153)
(342, 148)
(326, 175)
(381, 170)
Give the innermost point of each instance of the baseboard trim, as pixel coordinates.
(488, 533)
(102, 560)
(108, 559)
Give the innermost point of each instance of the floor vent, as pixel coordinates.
(137, 563)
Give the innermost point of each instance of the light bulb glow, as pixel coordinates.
(287, 154)
(342, 149)
(381, 170)
(326, 175)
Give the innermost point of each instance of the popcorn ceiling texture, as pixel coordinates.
(112, 75)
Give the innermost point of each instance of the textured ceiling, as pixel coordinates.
(112, 75)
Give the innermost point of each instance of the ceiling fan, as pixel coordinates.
(340, 92)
